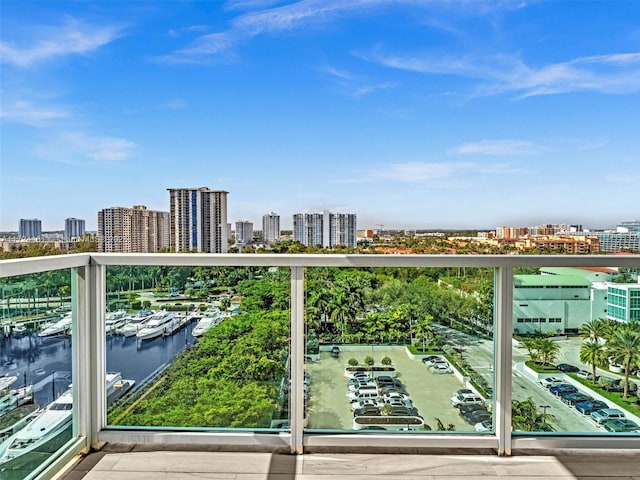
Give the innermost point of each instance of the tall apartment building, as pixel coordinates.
(325, 229)
(73, 228)
(198, 220)
(132, 230)
(270, 227)
(244, 231)
(30, 228)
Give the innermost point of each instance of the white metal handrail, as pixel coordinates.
(88, 285)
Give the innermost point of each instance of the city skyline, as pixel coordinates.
(427, 115)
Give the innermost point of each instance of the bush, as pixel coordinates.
(368, 360)
(386, 361)
(353, 362)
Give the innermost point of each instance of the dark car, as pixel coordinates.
(430, 359)
(566, 367)
(563, 388)
(470, 407)
(573, 398)
(387, 380)
(589, 406)
(335, 352)
(621, 425)
(404, 411)
(476, 416)
(615, 386)
(366, 411)
(384, 389)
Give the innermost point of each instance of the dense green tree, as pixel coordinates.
(593, 353)
(624, 348)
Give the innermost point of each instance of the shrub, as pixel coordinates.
(368, 360)
(353, 362)
(386, 361)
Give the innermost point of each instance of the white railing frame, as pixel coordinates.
(89, 375)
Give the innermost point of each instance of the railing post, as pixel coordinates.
(296, 392)
(503, 357)
(87, 356)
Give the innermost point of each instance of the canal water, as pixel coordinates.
(45, 363)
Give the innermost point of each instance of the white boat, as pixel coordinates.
(203, 325)
(19, 330)
(115, 321)
(161, 323)
(41, 429)
(134, 323)
(10, 399)
(59, 328)
(6, 381)
(116, 386)
(13, 421)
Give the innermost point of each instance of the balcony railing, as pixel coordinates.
(92, 427)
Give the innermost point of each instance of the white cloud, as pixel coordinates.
(368, 89)
(508, 147)
(202, 50)
(72, 38)
(29, 114)
(614, 73)
(78, 147)
(434, 172)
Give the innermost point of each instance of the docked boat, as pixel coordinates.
(46, 425)
(134, 323)
(161, 323)
(7, 380)
(10, 399)
(116, 386)
(203, 325)
(13, 421)
(115, 321)
(61, 327)
(19, 330)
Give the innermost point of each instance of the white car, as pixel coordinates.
(441, 368)
(365, 385)
(485, 426)
(395, 395)
(366, 402)
(550, 382)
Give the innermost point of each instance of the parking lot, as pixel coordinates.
(328, 406)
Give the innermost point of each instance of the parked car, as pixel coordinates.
(621, 425)
(395, 395)
(404, 411)
(431, 359)
(366, 412)
(550, 382)
(441, 368)
(364, 403)
(615, 386)
(485, 426)
(335, 352)
(476, 416)
(566, 367)
(397, 402)
(563, 388)
(386, 380)
(470, 408)
(362, 385)
(585, 375)
(466, 398)
(463, 391)
(589, 406)
(573, 398)
(601, 416)
(391, 388)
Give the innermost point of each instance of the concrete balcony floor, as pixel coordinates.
(113, 463)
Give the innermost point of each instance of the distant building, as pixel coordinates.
(623, 302)
(270, 227)
(73, 228)
(30, 228)
(244, 232)
(325, 229)
(198, 220)
(132, 230)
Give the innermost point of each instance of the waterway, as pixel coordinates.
(45, 363)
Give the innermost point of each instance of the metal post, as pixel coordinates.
(503, 357)
(296, 392)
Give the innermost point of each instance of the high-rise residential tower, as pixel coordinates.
(198, 220)
(325, 229)
(73, 228)
(30, 228)
(270, 227)
(132, 230)
(244, 231)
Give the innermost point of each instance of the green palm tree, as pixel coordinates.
(593, 353)
(547, 350)
(424, 330)
(526, 418)
(624, 348)
(594, 329)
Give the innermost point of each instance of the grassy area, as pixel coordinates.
(630, 404)
(536, 367)
(431, 350)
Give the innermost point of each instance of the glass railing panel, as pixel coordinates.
(399, 349)
(36, 407)
(576, 351)
(203, 348)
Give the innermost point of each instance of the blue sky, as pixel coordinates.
(411, 114)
